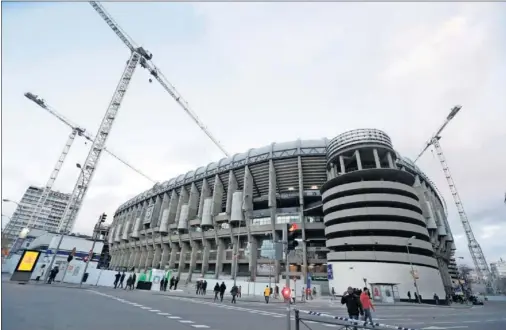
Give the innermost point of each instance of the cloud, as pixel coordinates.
(257, 73)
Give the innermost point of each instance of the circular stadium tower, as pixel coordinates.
(374, 226)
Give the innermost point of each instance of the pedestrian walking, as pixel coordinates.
(116, 279)
(239, 293)
(198, 287)
(409, 296)
(436, 298)
(267, 294)
(367, 305)
(172, 281)
(203, 288)
(216, 291)
(165, 282)
(353, 305)
(223, 288)
(233, 291)
(162, 281)
(176, 281)
(121, 280)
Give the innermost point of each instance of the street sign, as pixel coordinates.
(330, 272)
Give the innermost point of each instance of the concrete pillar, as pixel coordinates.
(204, 193)
(193, 260)
(157, 257)
(376, 158)
(359, 160)
(149, 257)
(272, 204)
(142, 260)
(182, 257)
(173, 255)
(219, 258)
(232, 188)
(163, 217)
(164, 259)
(131, 259)
(235, 252)
(206, 247)
(193, 202)
(341, 164)
(391, 163)
(137, 257)
(253, 257)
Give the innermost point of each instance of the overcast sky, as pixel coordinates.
(257, 73)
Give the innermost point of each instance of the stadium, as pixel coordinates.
(366, 216)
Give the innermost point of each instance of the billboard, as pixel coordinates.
(28, 261)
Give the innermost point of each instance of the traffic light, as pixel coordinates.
(103, 217)
(291, 236)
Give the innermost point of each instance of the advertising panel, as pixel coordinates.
(28, 261)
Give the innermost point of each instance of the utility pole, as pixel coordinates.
(291, 244)
(96, 232)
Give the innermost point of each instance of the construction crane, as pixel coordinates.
(90, 165)
(480, 263)
(147, 64)
(82, 132)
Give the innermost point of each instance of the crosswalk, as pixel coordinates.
(247, 310)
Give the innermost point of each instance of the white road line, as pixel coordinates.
(199, 326)
(329, 325)
(186, 321)
(173, 317)
(145, 307)
(155, 310)
(164, 314)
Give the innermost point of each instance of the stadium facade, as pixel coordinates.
(366, 216)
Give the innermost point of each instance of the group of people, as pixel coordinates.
(358, 302)
(220, 289)
(119, 278)
(201, 286)
(173, 283)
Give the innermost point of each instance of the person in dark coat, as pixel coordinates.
(121, 280)
(134, 277)
(233, 292)
(162, 281)
(176, 281)
(216, 291)
(165, 282)
(223, 288)
(353, 304)
(116, 279)
(203, 287)
(172, 281)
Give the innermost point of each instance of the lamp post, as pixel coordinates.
(62, 233)
(408, 243)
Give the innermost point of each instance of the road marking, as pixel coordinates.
(329, 325)
(442, 328)
(200, 326)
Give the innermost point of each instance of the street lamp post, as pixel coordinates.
(408, 243)
(62, 234)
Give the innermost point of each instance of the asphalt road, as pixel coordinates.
(51, 307)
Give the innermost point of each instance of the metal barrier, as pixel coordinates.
(345, 322)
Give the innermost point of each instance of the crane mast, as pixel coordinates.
(147, 64)
(54, 174)
(83, 132)
(480, 263)
(90, 165)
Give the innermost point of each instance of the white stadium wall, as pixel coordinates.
(353, 273)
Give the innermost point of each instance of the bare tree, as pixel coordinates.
(465, 272)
